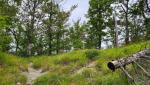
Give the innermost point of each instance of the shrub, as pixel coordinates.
(91, 54)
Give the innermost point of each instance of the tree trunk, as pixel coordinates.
(50, 31)
(49, 42)
(30, 31)
(99, 41)
(126, 27)
(115, 31)
(58, 42)
(113, 65)
(147, 25)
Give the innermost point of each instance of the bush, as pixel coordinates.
(91, 54)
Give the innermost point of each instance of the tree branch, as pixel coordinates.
(123, 9)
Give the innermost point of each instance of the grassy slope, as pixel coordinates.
(62, 67)
(10, 68)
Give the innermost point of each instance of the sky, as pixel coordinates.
(79, 12)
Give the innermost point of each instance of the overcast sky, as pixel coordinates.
(79, 12)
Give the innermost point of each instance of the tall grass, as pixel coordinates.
(61, 68)
(10, 69)
(70, 62)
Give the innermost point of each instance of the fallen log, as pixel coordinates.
(115, 64)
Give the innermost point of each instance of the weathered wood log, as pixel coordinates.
(113, 65)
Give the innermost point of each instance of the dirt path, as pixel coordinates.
(32, 74)
(89, 66)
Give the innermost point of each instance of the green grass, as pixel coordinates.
(10, 68)
(11, 76)
(62, 67)
(65, 64)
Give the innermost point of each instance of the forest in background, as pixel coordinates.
(40, 27)
(32, 32)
